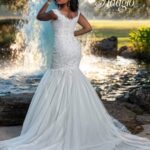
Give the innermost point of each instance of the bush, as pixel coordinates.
(15, 5)
(141, 42)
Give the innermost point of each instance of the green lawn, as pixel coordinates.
(120, 28)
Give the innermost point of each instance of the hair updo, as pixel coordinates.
(73, 4)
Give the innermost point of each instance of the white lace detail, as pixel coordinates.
(67, 49)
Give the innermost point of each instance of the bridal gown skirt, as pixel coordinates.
(66, 114)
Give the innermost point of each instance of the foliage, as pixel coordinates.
(7, 34)
(138, 9)
(121, 29)
(141, 42)
(141, 8)
(15, 5)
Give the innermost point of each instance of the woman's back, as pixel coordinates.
(67, 50)
(64, 25)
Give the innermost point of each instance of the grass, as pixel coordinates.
(120, 28)
(101, 29)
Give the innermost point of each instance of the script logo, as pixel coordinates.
(121, 5)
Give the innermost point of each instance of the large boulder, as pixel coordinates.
(141, 97)
(13, 108)
(124, 115)
(144, 119)
(127, 52)
(106, 47)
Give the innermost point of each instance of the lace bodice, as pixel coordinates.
(67, 49)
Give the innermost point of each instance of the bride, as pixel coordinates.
(65, 112)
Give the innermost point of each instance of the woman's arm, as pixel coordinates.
(86, 27)
(43, 16)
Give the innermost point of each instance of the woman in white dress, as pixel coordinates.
(65, 112)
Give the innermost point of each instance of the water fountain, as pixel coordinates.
(36, 40)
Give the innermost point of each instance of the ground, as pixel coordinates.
(13, 131)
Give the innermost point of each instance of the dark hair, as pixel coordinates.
(74, 4)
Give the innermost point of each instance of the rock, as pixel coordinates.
(133, 107)
(141, 97)
(126, 96)
(13, 108)
(110, 88)
(142, 73)
(7, 132)
(124, 115)
(144, 119)
(145, 132)
(106, 47)
(123, 97)
(98, 90)
(127, 52)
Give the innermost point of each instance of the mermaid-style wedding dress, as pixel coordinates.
(65, 112)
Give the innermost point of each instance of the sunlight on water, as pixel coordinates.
(95, 67)
(91, 1)
(31, 51)
(24, 60)
(101, 68)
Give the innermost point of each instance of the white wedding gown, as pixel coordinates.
(65, 112)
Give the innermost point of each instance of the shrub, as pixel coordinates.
(141, 42)
(15, 5)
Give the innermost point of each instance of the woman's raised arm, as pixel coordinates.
(45, 16)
